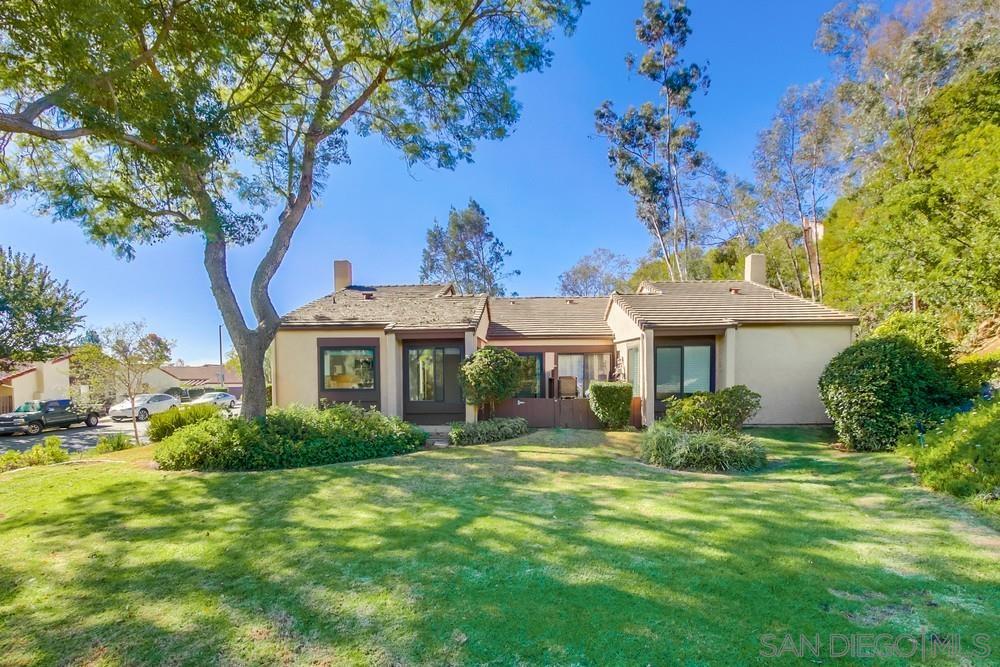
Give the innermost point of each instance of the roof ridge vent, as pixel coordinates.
(735, 290)
(570, 300)
(368, 296)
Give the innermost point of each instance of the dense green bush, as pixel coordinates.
(961, 456)
(611, 403)
(876, 388)
(115, 442)
(288, 438)
(921, 329)
(48, 452)
(490, 430)
(706, 451)
(163, 424)
(491, 375)
(724, 410)
(975, 370)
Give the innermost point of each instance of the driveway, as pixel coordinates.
(77, 438)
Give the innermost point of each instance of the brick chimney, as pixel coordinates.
(342, 274)
(755, 269)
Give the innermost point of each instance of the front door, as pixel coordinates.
(430, 378)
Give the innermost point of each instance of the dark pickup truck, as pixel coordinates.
(32, 416)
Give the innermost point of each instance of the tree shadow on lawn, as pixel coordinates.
(521, 552)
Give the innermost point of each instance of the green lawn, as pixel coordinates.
(557, 548)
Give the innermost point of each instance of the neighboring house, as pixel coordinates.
(191, 377)
(41, 380)
(398, 348)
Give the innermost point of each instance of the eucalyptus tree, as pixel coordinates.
(597, 274)
(145, 119)
(653, 148)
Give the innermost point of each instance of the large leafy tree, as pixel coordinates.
(142, 120)
(38, 314)
(653, 147)
(597, 274)
(466, 253)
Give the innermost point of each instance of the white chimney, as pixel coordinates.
(755, 269)
(342, 274)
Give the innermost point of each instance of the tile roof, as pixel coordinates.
(548, 317)
(204, 374)
(712, 303)
(403, 307)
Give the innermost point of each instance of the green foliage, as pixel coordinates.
(724, 410)
(38, 315)
(922, 329)
(611, 403)
(877, 387)
(975, 370)
(490, 430)
(707, 451)
(467, 253)
(491, 375)
(164, 424)
(114, 443)
(927, 221)
(39, 455)
(288, 438)
(961, 456)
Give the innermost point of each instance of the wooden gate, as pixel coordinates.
(550, 412)
(6, 403)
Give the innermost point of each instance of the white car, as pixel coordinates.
(219, 398)
(145, 405)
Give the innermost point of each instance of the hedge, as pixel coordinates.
(611, 403)
(725, 410)
(490, 430)
(288, 438)
(877, 388)
(163, 424)
(50, 451)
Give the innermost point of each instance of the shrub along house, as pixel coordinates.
(398, 348)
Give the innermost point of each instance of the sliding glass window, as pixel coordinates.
(586, 368)
(683, 369)
(531, 375)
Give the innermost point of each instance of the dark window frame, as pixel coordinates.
(681, 345)
(363, 397)
(539, 375)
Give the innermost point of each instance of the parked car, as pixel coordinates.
(220, 398)
(32, 416)
(145, 405)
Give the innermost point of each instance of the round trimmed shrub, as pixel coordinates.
(724, 410)
(491, 375)
(921, 329)
(876, 388)
(163, 424)
(611, 403)
(704, 451)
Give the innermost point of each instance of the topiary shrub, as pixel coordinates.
(725, 410)
(876, 388)
(163, 424)
(288, 438)
(114, 443)
(490, 375)
(921, 329)
(706, 451)
(490, 430)
(611, 403)
(961, 456)
(50, 451)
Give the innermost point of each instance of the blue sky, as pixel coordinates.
(548, 189)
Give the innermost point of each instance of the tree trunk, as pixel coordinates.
(135, 421)
(251, 351)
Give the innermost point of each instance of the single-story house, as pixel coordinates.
(34, 381)
(398, 347)
(192, 377)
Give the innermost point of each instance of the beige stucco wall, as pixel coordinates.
(295, 372)
(158, 380)
(622, 324)
(783, 364)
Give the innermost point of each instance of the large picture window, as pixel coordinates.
(683, 369)
(433, 374)
(633, 369)
(586, 368)
(348, 368)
